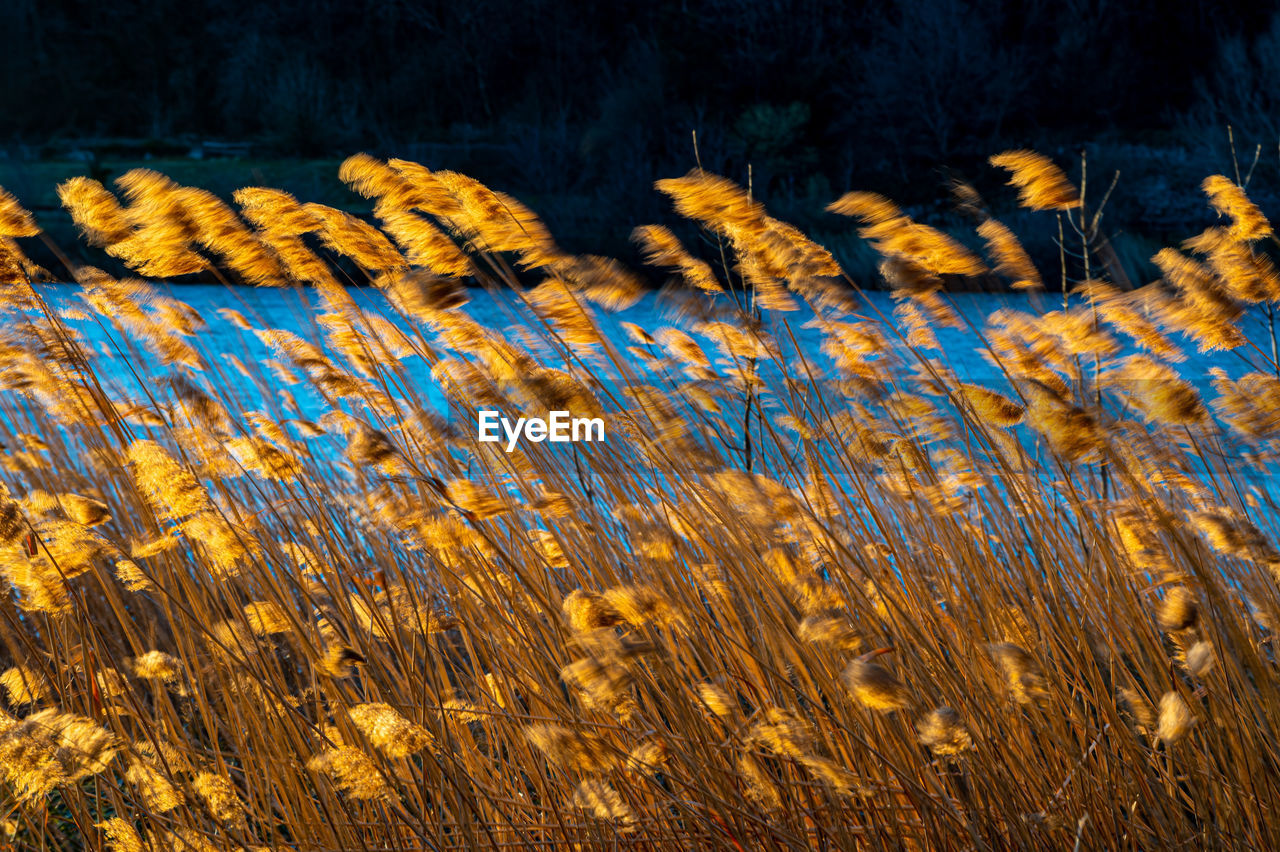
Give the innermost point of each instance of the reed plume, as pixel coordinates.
(267, 589)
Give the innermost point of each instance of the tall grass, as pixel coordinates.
(802, 597)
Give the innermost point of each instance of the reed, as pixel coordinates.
(818, 597)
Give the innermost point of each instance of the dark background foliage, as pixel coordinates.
(587, 105)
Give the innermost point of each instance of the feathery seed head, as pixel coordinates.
(219, 795)
(716, 700)
(943, 733)
(390, 732)
(602, 801)
(874, 685)
(1021, 671)
(573, 750)
(1247, 222)
(155, 791)
(121, 836)
(1200, 658)
(95, 210)
(1175, 719)
(168, 487)
(267, 617)
(352, 771)
(1041, 184)
(157, 665)
(15, 221)
(23, 685)
(1178, 610)
(1011, 258)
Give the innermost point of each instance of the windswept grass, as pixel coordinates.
(800, 598)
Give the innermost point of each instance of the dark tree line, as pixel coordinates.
(804, 90)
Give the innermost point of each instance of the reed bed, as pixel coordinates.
(800, 598)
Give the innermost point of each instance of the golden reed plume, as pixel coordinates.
(846, 571)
